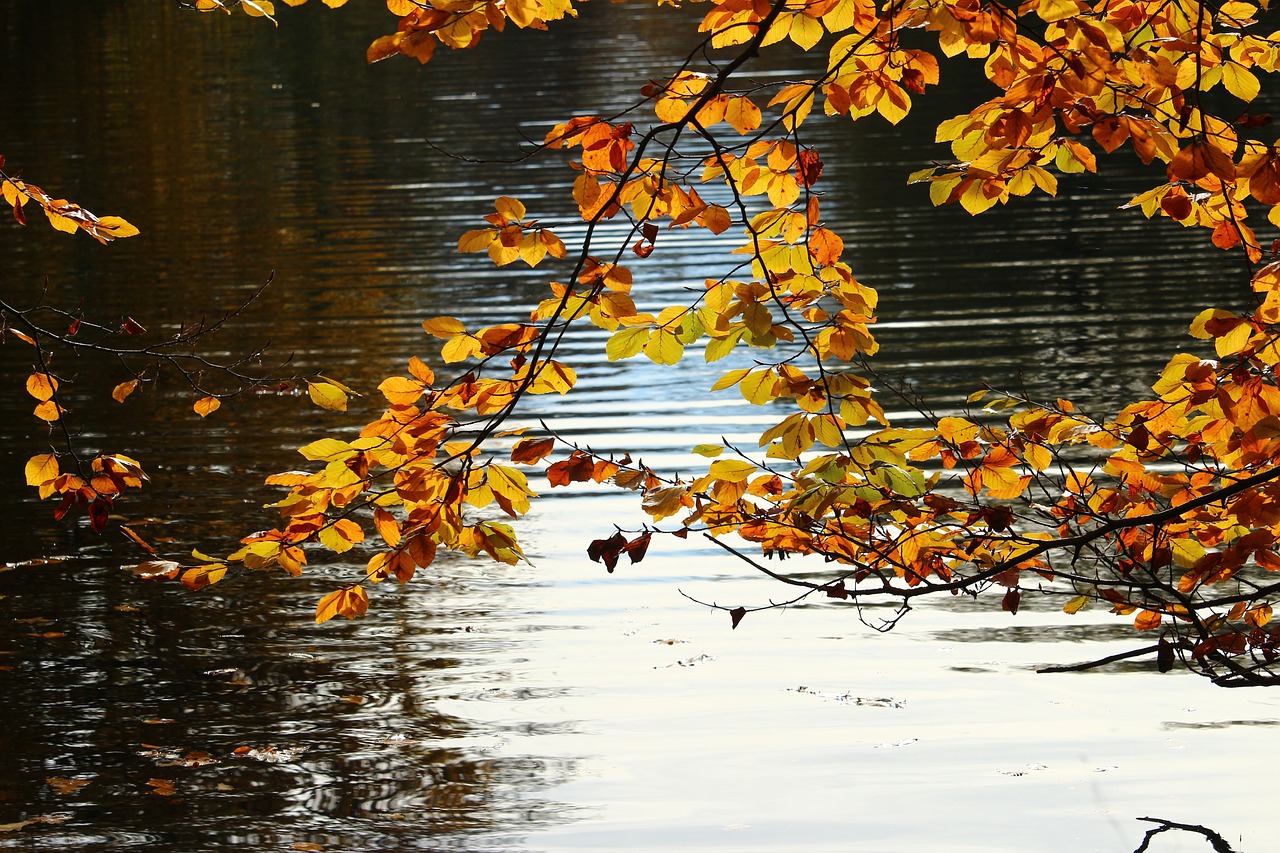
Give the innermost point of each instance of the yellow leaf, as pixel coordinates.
(553, 377)
(116, 227)
(1233, 341)
(1037, 456)
(327, 396)
(1187, 552)
(1076, 604)
(60, 222)
(259, 8)
(1240, 81)
(1059, 10)
(758, 387)
(477, 241)
(626, 343)
(732, 470)
(206, 406)
(443, 327)
(459, 349)
(664, 347)
(805, 31)
(327, 450)
(733, 377)
(41, 469)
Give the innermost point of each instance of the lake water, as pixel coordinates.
(551, 708)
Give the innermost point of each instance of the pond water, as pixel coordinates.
(552, 707)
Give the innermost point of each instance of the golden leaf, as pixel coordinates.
(122, 391)
(443, 327)
(41, 469)
(327, 396)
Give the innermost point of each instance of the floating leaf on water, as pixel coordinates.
(66, 786)
(39, 819)
(162, 787)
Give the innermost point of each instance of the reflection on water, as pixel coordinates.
(542, 708)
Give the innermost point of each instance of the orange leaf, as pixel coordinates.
(401, 391)
(1146, 620)
(121, 392)
(825, 246)
(206, 406)
(1201, 159)
(202, 576)
(41, 386)
(350, 603)
(41, 469)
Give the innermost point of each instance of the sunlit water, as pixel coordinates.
(551, 707)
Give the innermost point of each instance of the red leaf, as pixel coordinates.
(1177, 205)
(637, 547)
(1010, 601)
(133, 327)
(735, 616)
(577, 467)
(98, 512)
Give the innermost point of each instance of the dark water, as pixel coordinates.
(544, 708)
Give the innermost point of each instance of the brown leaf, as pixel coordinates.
(162, 787)
(1011, 600)
(607, 550)
(156, 569)
(66, 786)
(530, 451)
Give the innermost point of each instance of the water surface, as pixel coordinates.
(551, 707)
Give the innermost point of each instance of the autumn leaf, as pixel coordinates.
(328, 396)
(530, 451)
(202, 576)
(443, 327)
(41, 386)
(206, 406)
(349, 602)
(122, 391)
(41, 469)
(1147, 620)
(65, 786)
